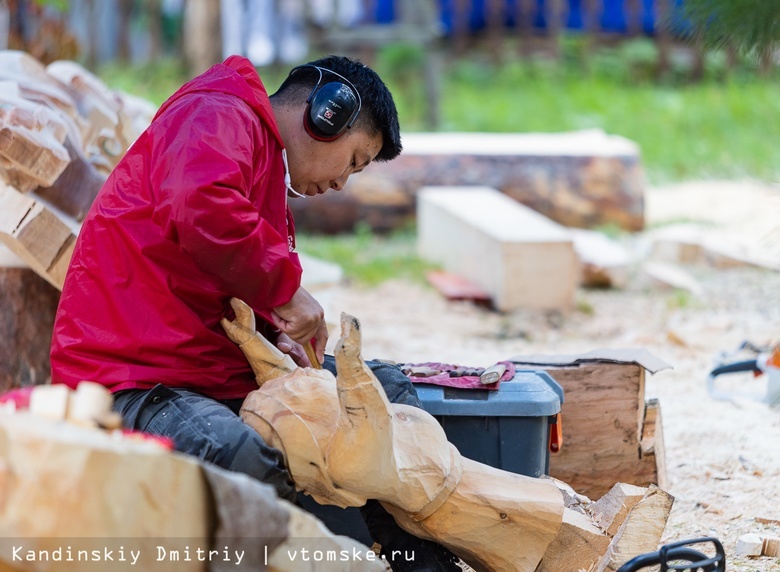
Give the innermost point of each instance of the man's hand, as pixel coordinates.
(294, 350)
(302, 319)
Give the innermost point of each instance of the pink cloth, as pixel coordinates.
(462, 382)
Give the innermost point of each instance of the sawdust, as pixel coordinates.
(723, 457)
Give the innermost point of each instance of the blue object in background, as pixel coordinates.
(611, 15)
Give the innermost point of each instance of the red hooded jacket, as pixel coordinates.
(194, 214)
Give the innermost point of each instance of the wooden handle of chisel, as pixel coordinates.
(492, 374)
(312, 355)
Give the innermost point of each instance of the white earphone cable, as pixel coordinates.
(287, 180)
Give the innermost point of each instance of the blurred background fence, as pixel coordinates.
(631, 67)
(269, 31)
(200, 33)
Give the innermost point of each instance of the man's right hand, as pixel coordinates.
(303, 319)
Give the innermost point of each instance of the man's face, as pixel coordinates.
(316, 166)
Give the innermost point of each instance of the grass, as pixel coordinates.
(154, 82)
(725, 126)
(369, 259)
(720, 127)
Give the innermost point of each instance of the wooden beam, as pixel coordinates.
(611, 510)
(32, 150)
(521, 258)
(36, 235)
(640, 532)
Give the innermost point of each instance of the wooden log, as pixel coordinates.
(75, 189)
(581, 179)
(750, 544)
(610, 434)
(36, 235)
(640, 532)
(27, 307)
(60, 480)
(771, 546)
(610, 511)
(59, 491)
(100, 106)
(521, 258)
(695, 246)
(62, 130)
(32, 150)
(33, 81)
(579, 545)
(601, 535)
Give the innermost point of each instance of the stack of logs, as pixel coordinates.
(61, 133)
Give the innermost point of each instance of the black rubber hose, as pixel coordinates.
(748, 365)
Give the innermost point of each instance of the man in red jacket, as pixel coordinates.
(196, 213)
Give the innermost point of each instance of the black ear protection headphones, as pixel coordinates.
(331, 108)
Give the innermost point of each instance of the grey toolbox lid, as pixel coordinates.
(531, 393)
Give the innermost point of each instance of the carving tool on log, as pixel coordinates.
(312, 355)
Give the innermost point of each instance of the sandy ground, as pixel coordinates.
(723, 457)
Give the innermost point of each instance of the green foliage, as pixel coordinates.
(155, 81)
(367, 258)
(719, 127)
(61, 5)
(585, 307)
(679, 300)
(751, 25)
(722, 126)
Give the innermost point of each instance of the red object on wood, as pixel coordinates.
(20, 397)
(454, 287)
(556, 434)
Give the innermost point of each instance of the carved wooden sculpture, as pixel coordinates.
(345, 443)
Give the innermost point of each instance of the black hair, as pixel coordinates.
(378, 112)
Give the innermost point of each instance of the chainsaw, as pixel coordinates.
(765, 360)
(697, 555)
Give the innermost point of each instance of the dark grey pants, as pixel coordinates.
(213, 431)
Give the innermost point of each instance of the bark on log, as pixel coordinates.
(27, 308)
(580, 179)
